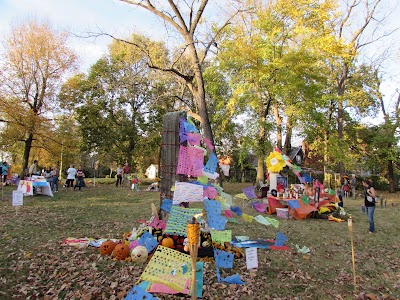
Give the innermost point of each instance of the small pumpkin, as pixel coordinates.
(139, 254)
(121, 251)
(167, 242)
(107, 247)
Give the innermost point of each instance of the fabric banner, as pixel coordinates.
(187, 192)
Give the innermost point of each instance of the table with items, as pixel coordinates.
(35, 185)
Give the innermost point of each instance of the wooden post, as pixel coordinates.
(169, 155)
(193, 230)
(350, 225)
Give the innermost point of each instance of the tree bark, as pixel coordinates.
(288, 138)
(340, 113)
(261, 148)
(278, 121)
(27, 151)
(392, 183)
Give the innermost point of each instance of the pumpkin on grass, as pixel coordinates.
(107, 247)
(121, 251)
(139, 254)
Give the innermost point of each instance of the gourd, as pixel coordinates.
(121, 251)
(107, 247)
(168, 242)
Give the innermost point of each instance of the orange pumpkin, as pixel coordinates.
(121, 251)
(107, 247)
(167, 242)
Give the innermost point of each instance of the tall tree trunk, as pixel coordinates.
(326, 145)
(392, 183)
(27, 151)
(340, 113)
(278, 121)
(288, 138)
(199, 92)
(261, 148)
(326, 141)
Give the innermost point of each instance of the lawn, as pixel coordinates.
(34, 264)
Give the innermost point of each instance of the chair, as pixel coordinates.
(250, 194)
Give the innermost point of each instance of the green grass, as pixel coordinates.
(34, 265)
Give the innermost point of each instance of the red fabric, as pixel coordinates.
(273, 204)
(322, 203)
(303, 211)
(279, 248)
(332, 198)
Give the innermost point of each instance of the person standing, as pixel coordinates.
(120, 172)
(127, 171)
(55, 173)
(71, 173)
(80, 175)
(47, 175)
(369, 202)
(353, 184)
(4, 172)
(33, 169)
(340, 197)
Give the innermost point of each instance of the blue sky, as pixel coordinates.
(80, 16)
(121, 19)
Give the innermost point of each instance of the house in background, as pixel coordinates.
(296, 154)
(152, 171)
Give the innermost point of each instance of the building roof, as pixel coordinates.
(295, 151)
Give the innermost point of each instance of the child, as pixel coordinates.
(340, 197)
(135, 182)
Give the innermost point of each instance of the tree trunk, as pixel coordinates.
(392, 183)
(340, 112)
(199, 92)
(278, 121)
(288, 139)
(326, 145)
(261, 148)
(27, 151)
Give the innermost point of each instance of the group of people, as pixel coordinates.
(122, 174)
(75, 174)
(123, 177)
(52, 176)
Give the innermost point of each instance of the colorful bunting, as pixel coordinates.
(249, 192)
(187, 192)
(221, 236)
(166, 205)
(138, 293)
(177, 220)
(211, 164)
(280, 239)
(148, 241)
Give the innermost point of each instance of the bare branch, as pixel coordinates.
(150, 7)
(196, 20)
(367, 20)
(377, 39)
(347, 16)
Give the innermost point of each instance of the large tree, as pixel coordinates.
(35, 59)
(129, 97)
(272, 62)
(356, 28)
(185, 18)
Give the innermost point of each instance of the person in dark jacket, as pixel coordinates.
(369, 202)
